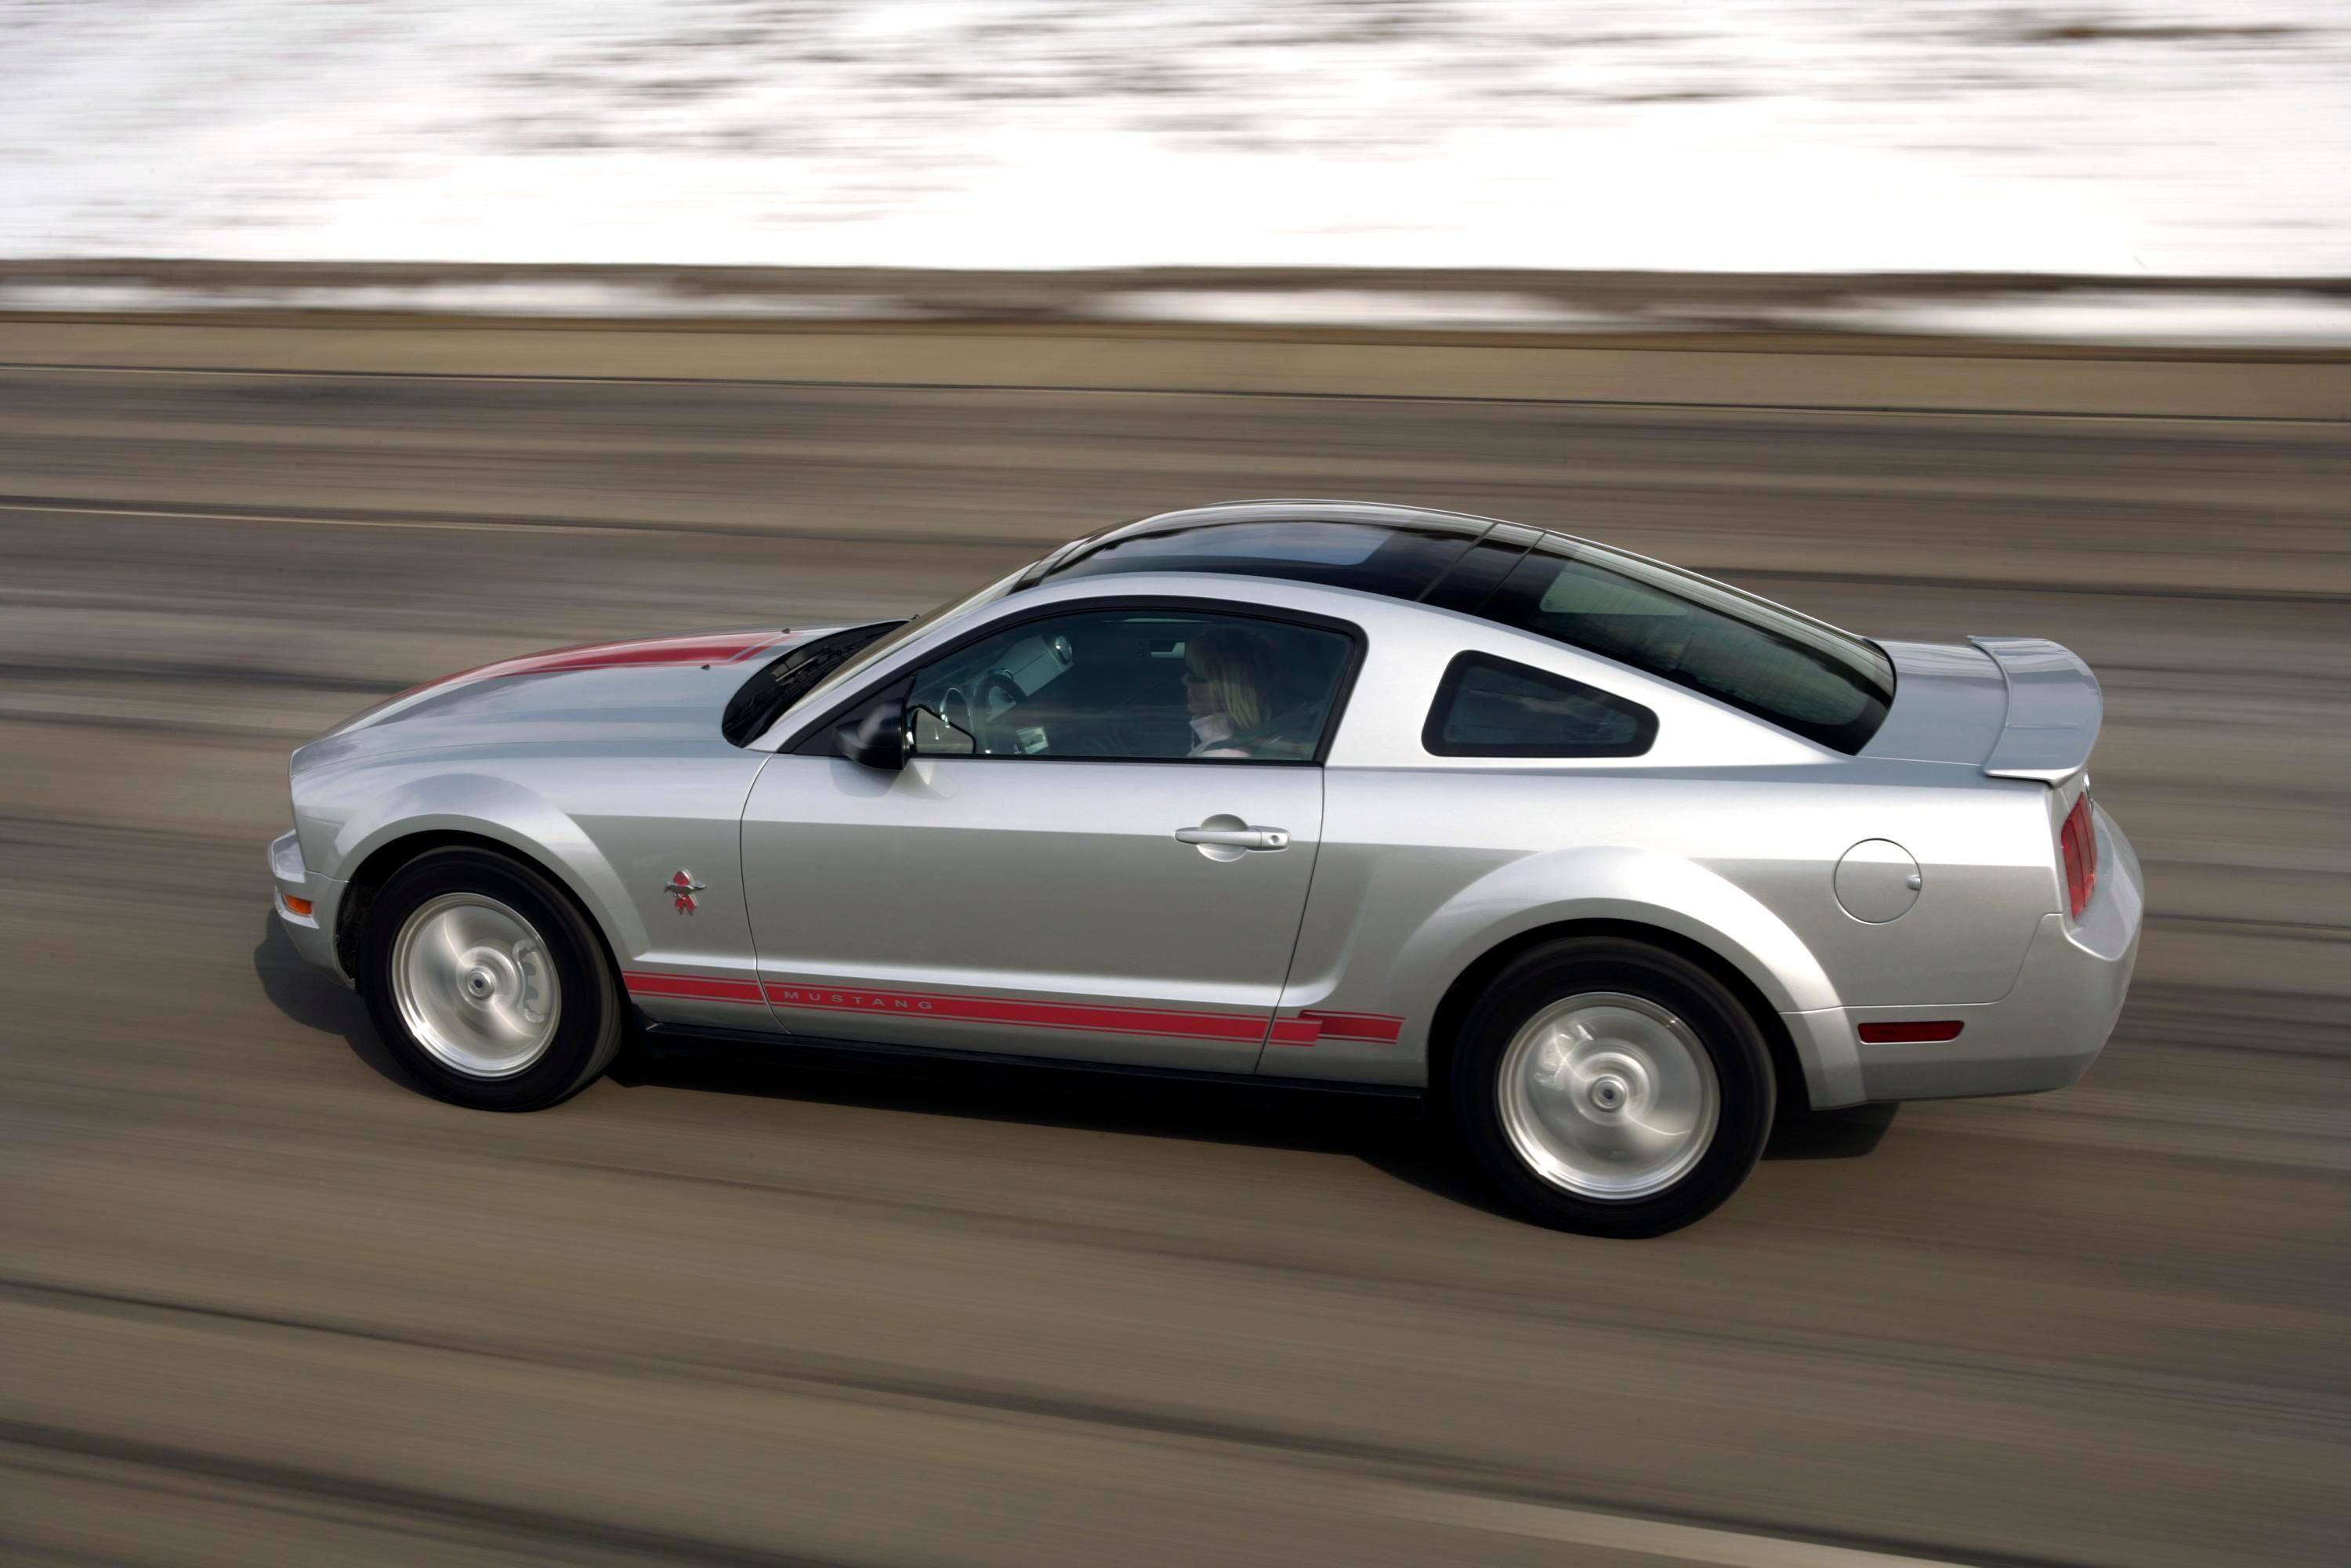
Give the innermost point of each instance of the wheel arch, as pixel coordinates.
(1453, 1006)
(383, 860)
(1667, 899)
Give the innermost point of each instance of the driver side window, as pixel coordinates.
(1135, 685)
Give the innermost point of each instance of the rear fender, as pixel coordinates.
(1610, 883)
(1642, 887)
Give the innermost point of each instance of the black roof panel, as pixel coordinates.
(1399, 551)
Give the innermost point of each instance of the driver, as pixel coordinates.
(1228, 689)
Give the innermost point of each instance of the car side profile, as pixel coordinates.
(1605, 858)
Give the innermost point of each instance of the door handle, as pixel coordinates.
(1236, 838)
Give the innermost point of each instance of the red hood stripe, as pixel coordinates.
(728, 649)
(725, 648)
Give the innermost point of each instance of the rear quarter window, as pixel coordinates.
(1488, 706)
(1824, 684)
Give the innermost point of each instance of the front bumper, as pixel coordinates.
(313, 935)
(2042, 1035)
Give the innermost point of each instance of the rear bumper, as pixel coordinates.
(2042, 1035)
(313, 935)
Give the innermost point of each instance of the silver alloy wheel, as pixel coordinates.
(476, 984)
(1608, 1096)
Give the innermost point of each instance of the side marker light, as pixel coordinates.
(1910, 1033)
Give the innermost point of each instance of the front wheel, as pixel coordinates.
(487, 982)
(1610, 1087)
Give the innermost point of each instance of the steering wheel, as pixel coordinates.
(955, 710)
(997, 692)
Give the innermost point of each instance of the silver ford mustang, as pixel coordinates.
(1603, 857)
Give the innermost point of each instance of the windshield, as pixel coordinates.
(872, 653)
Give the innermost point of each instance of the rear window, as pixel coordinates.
(1399, 562)
(1822, 684)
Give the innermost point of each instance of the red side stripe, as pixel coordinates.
(1376, 1028)
(1237, 1027)
(695, 988)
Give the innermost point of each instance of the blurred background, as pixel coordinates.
(345, 345)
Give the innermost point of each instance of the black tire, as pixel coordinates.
(589, 1024)
(1723, 1027)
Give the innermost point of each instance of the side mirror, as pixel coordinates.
(875, 735)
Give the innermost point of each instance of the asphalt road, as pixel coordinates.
(261, 1303)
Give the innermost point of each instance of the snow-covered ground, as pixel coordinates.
(2242, 314)
(2168, 137)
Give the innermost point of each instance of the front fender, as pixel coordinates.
(504, 812)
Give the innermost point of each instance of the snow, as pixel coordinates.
(2176, 137)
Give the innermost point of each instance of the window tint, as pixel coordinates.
(1491, 707)
(1824, 684)
(1135, 685)
(1399, 562)
(1477, 571)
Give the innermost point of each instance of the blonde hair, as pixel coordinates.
(1237, 668)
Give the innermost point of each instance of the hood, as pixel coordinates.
(654, 689)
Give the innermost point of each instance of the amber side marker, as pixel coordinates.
(1910, 1033)
(295, 906)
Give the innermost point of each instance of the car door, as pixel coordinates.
(1099, 848)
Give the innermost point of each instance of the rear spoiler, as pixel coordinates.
(2053, 709)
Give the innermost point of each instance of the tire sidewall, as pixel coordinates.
(586, 1033)
(1725, 1030)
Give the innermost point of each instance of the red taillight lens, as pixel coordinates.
(2079, 840)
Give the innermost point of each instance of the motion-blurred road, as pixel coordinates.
(260, 1303)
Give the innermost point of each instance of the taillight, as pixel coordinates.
(2079, 839)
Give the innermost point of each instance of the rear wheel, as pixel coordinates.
(488, 983)
(1610, 1087)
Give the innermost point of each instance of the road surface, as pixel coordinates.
(260, 1303)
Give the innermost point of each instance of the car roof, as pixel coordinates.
(1307, 514)
(1306, 510)
(1454, 561)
